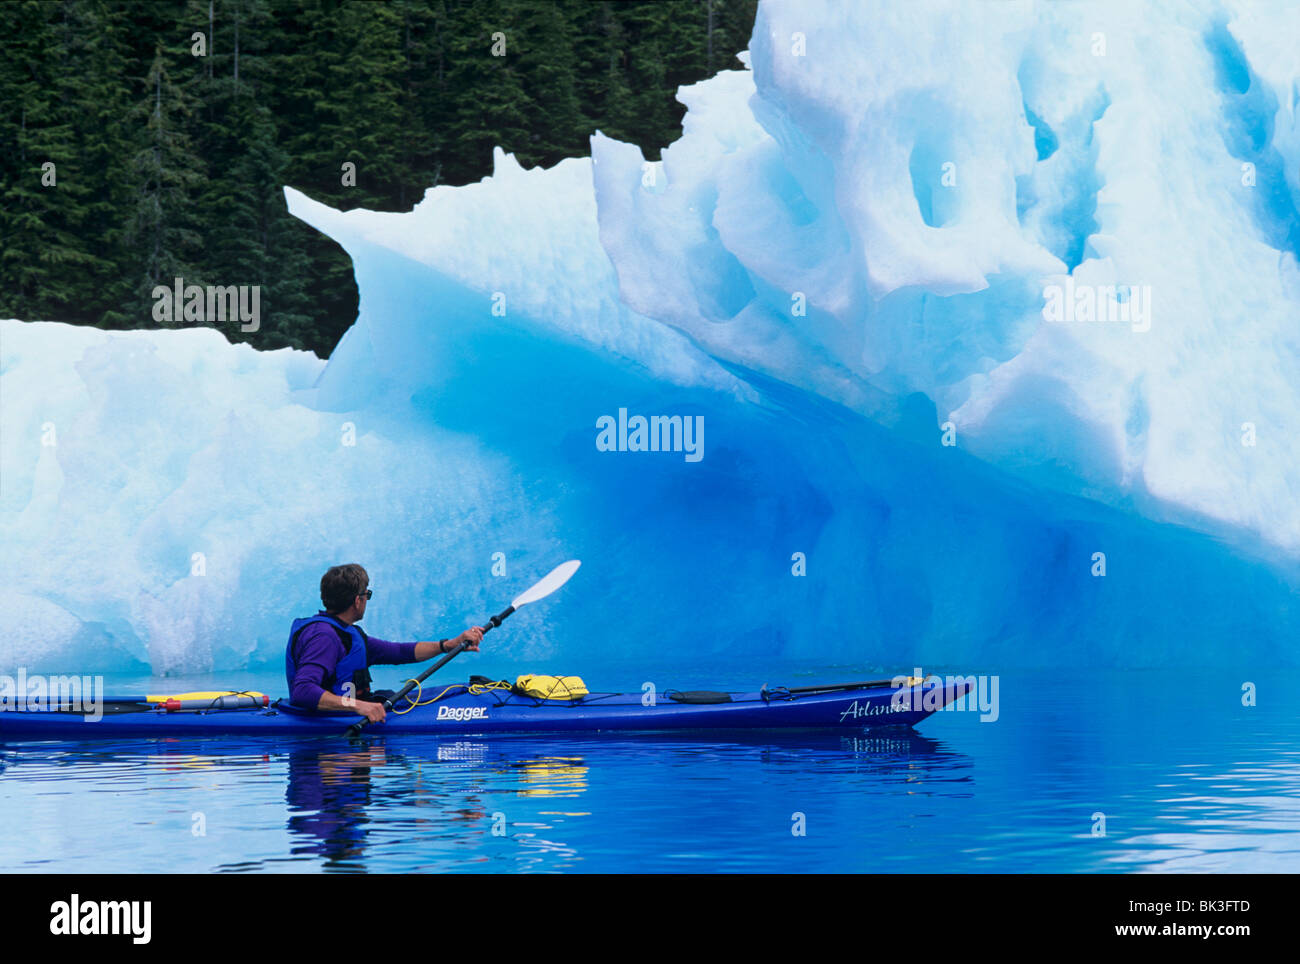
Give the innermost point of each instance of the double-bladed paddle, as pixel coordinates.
(552, 581)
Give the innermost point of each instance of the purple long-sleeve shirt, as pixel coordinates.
(318, 651)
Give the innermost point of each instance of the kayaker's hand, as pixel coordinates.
(374, 712)
(470, 638)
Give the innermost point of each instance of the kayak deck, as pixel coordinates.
(457, 710)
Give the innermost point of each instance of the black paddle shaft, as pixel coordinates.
(356, 728)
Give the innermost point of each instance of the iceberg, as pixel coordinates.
(942, 336)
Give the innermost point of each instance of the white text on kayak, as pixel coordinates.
(656, 433)
(462, 713)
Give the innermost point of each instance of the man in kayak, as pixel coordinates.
(327, 659)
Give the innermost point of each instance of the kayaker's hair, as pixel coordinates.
(341, 585)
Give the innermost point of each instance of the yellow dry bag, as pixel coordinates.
(550, 687)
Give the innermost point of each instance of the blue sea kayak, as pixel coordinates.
(460, 709)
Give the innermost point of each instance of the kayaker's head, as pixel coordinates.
(344, 592)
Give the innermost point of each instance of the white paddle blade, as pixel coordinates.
(552, 581)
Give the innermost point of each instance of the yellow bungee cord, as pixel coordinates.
(475, 689)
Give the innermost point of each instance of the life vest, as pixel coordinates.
(352, 666)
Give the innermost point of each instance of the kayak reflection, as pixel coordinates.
(327, 795)
(473, 794)
(504, 803)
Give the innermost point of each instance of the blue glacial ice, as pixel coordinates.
(842, 263)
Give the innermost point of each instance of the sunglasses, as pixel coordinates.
(368, 593)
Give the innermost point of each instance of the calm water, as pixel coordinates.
(1188, 780)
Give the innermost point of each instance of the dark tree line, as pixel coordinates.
(127, 160)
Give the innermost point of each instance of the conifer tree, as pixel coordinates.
(97, 78)
(546, 62)
(168, 174)
(41, 198)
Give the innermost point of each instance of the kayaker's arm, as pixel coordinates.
(319, 652)
(428, 650)
(385, 653)
(332, 701)
(319, 655)
(382, 651)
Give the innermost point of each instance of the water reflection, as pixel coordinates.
(339, 799)
(510, 801)
(326, 796)
(505, 803)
